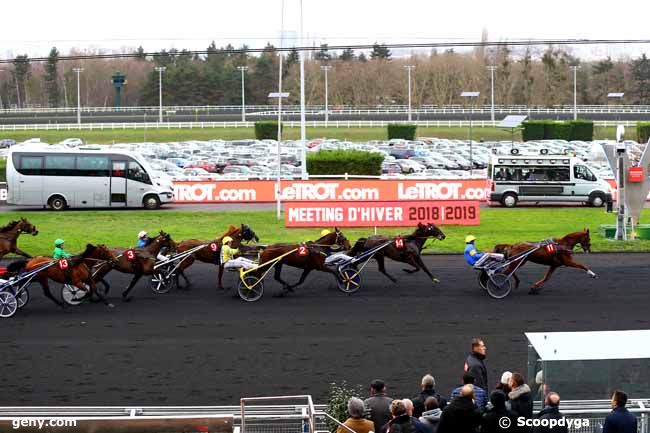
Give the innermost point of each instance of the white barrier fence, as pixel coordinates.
(289, 124)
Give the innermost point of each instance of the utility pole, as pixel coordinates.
(492, 69)
(160, 70)
(409, 68)
(243, 92)
(78, 71)
(575, 91)
(325, 69)
(303, 127)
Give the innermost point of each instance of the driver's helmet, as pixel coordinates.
(142, 234)
(226, 240)
(325, 232)
(470, 238)
(59, 242)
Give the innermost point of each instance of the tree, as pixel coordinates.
(293, 58)
(362, 58)
(347, 55)
(641, 77)
(522, 94)
(22, 71)
(140, 55)
(323, 54)
(51, 78)
(380, 52)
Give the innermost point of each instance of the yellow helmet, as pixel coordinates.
(324, 232)
(226, 239)
(469, 238)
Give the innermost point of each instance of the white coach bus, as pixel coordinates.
(544, 178)
(98, 177)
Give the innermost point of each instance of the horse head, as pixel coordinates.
(585, 240)
(429, 231)
(335, 238)
(103, 253)
(165, 239)
(26, 227)
(248, 234)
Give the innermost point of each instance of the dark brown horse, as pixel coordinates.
(561, 256)
(142, 263)
(206, 255)
(409, 254)
(316, 252)
(77, 272)
(9, 237)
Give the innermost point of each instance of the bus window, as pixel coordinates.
(31, 165)
(137, 173)
(59, 165)
(582, 172)
(92, 166)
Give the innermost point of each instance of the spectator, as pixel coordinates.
(419, 427)
(427, 385)
(490, 420)
(521, 401)
(475, 365)
(401, 421)
(431, 415)
(480, 395)
(551, 411)
(378, 404)
(460, 415)
(356, 421)
(504, 385)
(620, 420)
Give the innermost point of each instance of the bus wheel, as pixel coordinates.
(151, 202)
(509, 200)
(57, 203)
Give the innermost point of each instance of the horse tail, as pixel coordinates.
(16, 267)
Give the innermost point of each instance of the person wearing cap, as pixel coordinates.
(143, 239)
(228, 254)
(336, 258)
(378, 404)
(473, 256)
(59, 252)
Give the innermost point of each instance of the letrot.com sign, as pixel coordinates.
(334, 190)
(399, 214)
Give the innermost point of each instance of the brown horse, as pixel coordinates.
(142, 264)
(9, 237)
(562, 256)
(409, 254)
(77, 272)
(316, 251)
(206, 255)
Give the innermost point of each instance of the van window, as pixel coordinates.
(92, 166)
(583, 173)
(59, 165)
(137, 173)
(531, 174)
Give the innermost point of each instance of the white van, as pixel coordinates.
(544, 178)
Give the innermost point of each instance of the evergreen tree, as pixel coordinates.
(140, 55)
(293, 57)
(347, 55)
(323, 54)
(641, 77)
(51, 78)
(21, 72)
(380, 52)
(362, 58)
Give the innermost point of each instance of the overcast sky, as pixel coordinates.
(34, 26)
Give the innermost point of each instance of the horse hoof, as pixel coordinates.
(435, 280)
(109, 305)
(127, 299)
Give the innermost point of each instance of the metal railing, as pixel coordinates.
(287, 123)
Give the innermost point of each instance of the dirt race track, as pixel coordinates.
(203, 347)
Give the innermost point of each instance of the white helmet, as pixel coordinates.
(142, 234)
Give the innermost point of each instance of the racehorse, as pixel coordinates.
(409, 254)
(9, 237)
(561, 255)
(142, 262)
(206, 255)
(76, 272)
(316, 252)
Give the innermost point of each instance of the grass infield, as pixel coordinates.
(120, 228)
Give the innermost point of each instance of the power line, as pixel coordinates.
(430, 45)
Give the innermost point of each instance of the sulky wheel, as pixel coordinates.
(22, 297)
(161, 284)
(499, 285)
(72, 295)
(8, 304)
(250, 288)
(348, 280)
(483, 279)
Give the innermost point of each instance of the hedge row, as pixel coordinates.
(266, 130)
(402, 130)
(344, 161)
(643, 132)
(582, 130)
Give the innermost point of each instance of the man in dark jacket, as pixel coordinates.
(620, 420)
(475, 365)
(378, 404)
(428, 390)
(521, 400)
(401, 421)
(551, 411)
(493, 421)
(460, 415)
(480, 395)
